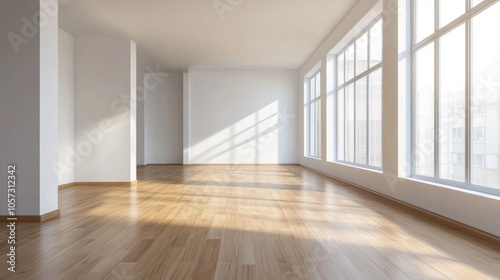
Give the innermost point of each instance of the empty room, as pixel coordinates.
(249, 139)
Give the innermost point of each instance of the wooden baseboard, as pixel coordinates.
(424, 212)
(50, 215)
(32, 219)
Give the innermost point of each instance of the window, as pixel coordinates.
(359, 99)
(313, 116)
(455, 93)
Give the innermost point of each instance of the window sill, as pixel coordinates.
(366, 168)
(453, 188)
(311, 157)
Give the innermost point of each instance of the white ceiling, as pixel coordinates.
(254, 34)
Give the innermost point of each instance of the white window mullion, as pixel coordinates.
(368, 99)
(437, 125)
(413, 91)
(354, 101)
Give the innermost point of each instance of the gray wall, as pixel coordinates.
(28, 110)
(66, 168)
(163, 120)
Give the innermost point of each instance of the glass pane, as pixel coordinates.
(349, 63)
(349, 137)
(450, 10)
(318, 85)
(340, 69)
(312, 88)
(424, 22)
(375, 118)
(318, 116)
(310, 147)
(424, 114)
(312, 117)
(452, 105)
(306, 116)
(376, 44)
(485, 132)
(306, 96)
(476, 2)
(361, 120)
(340, 125)
(362, 54)
(317, 151)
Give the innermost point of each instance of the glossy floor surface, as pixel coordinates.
(241, 222)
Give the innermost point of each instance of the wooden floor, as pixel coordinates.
(241, 222)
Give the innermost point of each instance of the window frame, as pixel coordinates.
(309, 103)
(352, 81)
(465, 19)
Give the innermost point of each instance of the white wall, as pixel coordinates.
(242, 117)
(467, 207)
(163, 120)
(66, 108)
(185, 118)
(28, 110)
(132, 103)
(104, 121)
(49, 34)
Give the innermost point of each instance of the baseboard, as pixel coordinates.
(241, 164)
(160, 164)
(126, 184)
(31, 219)
(50, 215)
(423, 212)
(104, 184)
(66, 186)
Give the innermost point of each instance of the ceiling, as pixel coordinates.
(230, 34)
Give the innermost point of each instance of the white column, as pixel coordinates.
(390, 89)
(28, 106)
(105, 110)
(186, 117)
